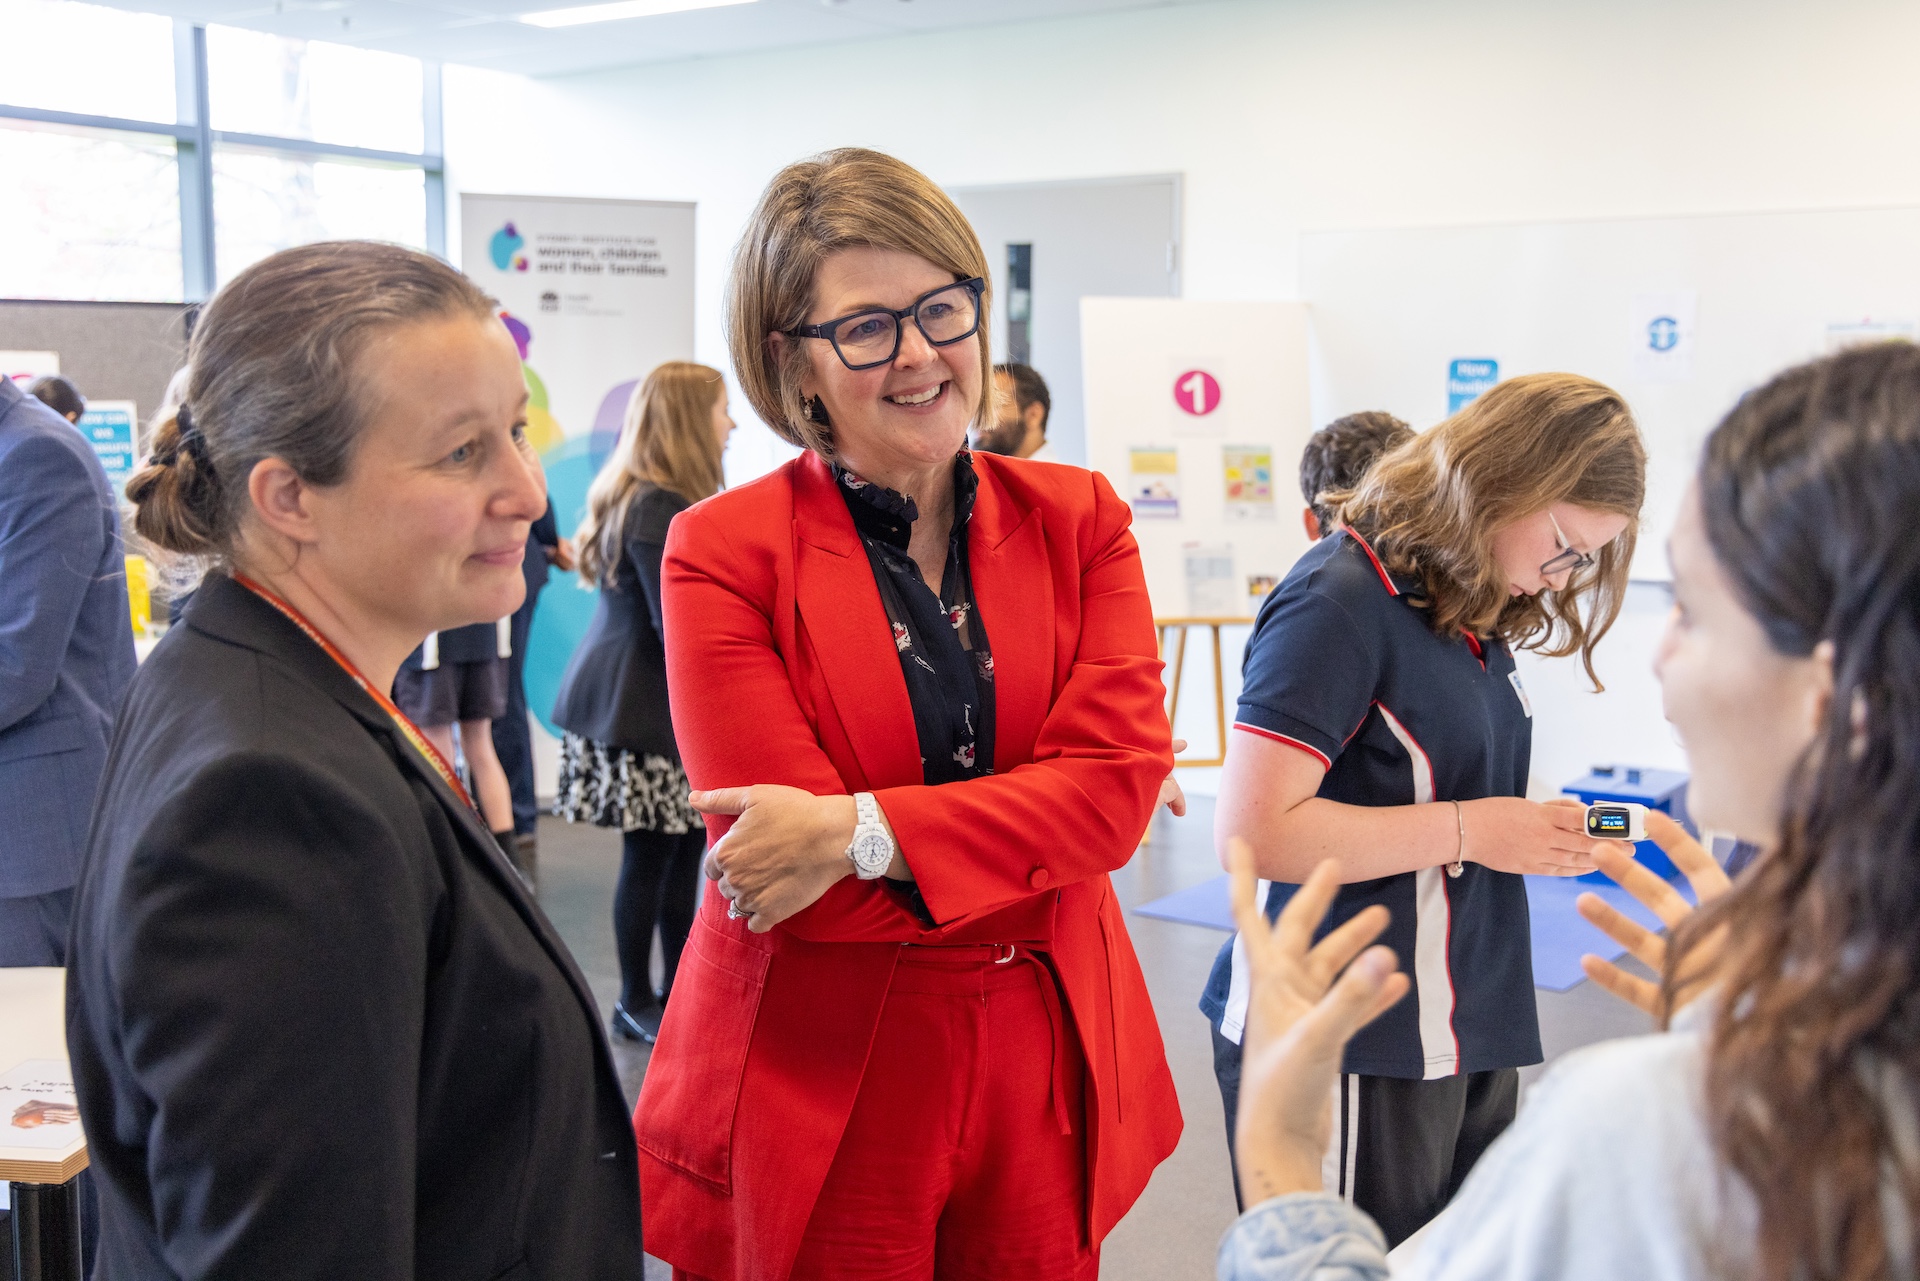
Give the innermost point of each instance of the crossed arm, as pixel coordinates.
(785, 817)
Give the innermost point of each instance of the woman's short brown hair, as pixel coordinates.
(1431, 506)
(840, 199)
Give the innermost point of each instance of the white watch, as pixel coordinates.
(872, 849)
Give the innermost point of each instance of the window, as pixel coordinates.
(88, 214)
(118, 190)
(265, 201)
(88, 59)
(262, 84)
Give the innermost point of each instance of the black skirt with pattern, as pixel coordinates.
(630, 791)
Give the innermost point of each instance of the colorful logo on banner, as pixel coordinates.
(1197, 392)
(504, 249)
(565, 613)
(543, 429)
(571, 464)
(1466, 379)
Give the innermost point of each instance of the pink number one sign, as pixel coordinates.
(1197, 392)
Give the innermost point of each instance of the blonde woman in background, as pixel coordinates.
(619, 766)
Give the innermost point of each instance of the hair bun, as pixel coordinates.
(176, 495)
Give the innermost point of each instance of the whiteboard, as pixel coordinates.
(1391, 309)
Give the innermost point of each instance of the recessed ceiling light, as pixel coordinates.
(619, 9)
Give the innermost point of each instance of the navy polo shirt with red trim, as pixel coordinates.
(1343, 665)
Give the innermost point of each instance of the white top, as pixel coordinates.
(1044, 454)
(1606, 1174)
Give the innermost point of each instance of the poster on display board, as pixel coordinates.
(1153, 482)
(1247, 472)
(596, 293)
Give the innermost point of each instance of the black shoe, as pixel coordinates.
(644, 1026)
(526, 857)
(510, 846)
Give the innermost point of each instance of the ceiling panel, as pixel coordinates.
(485, 32)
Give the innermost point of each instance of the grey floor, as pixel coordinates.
(1172, 1231)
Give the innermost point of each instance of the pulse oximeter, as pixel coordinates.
(1617, 821)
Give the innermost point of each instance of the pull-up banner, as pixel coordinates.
(596, 293)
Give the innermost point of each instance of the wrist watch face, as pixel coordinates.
(872, 853)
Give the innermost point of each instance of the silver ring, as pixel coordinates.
(733, 911)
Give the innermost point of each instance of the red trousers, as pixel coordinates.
(954, 1166)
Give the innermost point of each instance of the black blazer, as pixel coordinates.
(317, 1028)
(615, 689)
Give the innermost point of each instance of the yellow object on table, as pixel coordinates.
(140, 594)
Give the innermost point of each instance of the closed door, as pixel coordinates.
(1101, 238)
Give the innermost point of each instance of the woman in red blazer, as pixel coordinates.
(920, 688)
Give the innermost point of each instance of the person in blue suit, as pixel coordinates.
(66, 658)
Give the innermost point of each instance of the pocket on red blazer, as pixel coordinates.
(692, 1091)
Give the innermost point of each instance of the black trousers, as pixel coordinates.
(512, 736)
(1400, 1149)
(658, 888)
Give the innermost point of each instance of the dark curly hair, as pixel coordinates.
(1339, 454)
(1809, 490)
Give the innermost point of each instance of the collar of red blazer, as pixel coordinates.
(1013, 584)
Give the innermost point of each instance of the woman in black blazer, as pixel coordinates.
(318, 1029)
(619, 766)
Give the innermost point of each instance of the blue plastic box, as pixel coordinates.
(1657, 789)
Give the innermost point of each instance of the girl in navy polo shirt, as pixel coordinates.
(1382, 723)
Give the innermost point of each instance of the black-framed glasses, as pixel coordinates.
(1568, 557)
(870, 338)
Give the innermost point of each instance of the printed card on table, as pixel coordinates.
(37, 1105)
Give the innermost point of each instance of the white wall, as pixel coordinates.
(1283, 117)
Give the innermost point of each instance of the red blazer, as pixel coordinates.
(782, 669)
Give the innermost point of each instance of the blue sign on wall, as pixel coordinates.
(1466, 379)
(108, 427)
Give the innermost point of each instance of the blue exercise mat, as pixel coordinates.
(1560, 934)
(1204, 904)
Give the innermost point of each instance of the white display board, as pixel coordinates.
(25, 366)
(597, 293)
(1198, 411)
(1682, 315)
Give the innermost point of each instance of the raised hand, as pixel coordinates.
(1306, 1002)
(1650, 949)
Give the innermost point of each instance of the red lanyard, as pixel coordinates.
(407, 728)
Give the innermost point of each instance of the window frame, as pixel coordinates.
(194, 139)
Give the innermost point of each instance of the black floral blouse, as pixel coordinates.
(941, 639)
